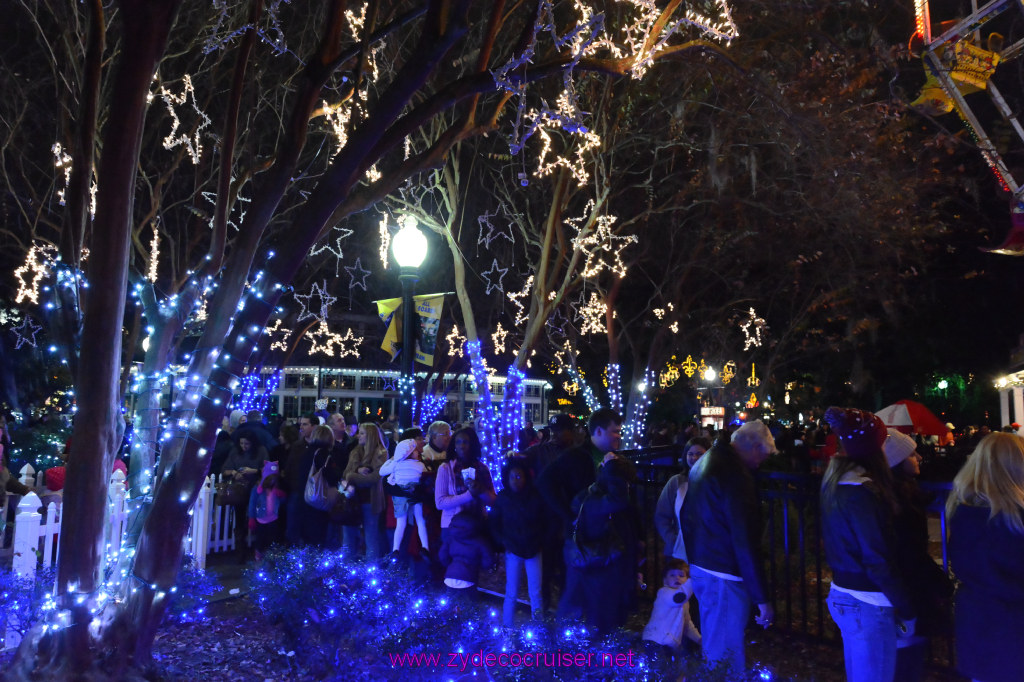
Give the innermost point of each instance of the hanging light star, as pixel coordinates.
(36, 262)
(489, 275)
(277, 330)
(601, 243)
(498, 337)
(489, 232)
(26, 333)
(455, 341)
(357, 275)
(322, 340)
(759, 325)
(191, 143)
(305, 300)
(334, 248)
(593, 314)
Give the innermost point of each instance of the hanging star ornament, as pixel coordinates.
(305, 300)
(759, 327)
(455, 341)
(488, 231)
(37, 262)
(593, 314)
(333, 247)
(498, 337)
(603, 248)
(357, 275)
(280, 343)
(174, 138)
(490, 275)
(26, 333)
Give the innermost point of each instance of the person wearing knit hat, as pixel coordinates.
(898, 447)
(869, 599)
(236, 419)
(929, 587)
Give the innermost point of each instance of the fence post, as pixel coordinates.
(27, 476)
(26, 536)
(115, 523)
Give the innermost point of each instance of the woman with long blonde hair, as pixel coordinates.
(986, 550)
(363, 473)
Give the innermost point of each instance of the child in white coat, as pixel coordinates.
(403, 472)
(670, 618)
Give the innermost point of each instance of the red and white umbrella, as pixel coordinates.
(909, 416)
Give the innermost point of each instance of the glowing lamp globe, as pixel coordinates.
(709, 374)
(409, 246)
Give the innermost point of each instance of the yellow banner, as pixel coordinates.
(428, 314)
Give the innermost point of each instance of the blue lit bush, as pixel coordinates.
(24, 601)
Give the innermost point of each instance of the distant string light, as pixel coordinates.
(759, 326)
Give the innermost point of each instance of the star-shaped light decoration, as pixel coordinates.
(26, 332)
(237, 206)
(498, 337)
(36, 262)
(323, 340)
(191, 142)
(759, 325)
(494, 277)
(333, 247)
(357, 275)
(600, 244)
(556, 323)
(515, 296)
(280, 343)
(593, 314)
(455, 341)
(305, 300)
(488, 231)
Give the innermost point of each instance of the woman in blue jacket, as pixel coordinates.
(868, 600)
(986, 549)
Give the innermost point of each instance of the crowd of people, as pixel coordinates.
(567, 516)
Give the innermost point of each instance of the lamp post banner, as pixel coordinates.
(428, 313)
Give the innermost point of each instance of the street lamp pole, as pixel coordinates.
(409, 247)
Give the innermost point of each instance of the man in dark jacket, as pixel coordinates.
(720, 519)
(570, 473)
(563, 437)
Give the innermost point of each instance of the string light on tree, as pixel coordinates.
(37, 263)
(191, 142)
(154, 254)
(455, 341)
(515, 296)
(602, 247)
(759, 327)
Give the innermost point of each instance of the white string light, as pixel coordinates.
(514, 296)
(305, 300)
(37, 263)
(592, 315)
(191, 142)
(154, 254)
(489, 276)
(498, 337)
(759, 326)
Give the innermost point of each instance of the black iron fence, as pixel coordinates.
(798, 576)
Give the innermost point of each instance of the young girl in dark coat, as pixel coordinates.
(518, 522)
(465, 551)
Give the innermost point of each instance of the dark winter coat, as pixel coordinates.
(721, 519)
(257, 433)
(988, 559)
(519, 521)
(313, 521)
(929, 586)
(572, 472)
(466, 548)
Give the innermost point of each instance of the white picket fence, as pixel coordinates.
(37, 524)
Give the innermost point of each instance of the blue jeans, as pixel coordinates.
(372, 535)
(513, 568)
(869, 637)
(724, 612)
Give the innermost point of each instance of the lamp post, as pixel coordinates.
(409, 247)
